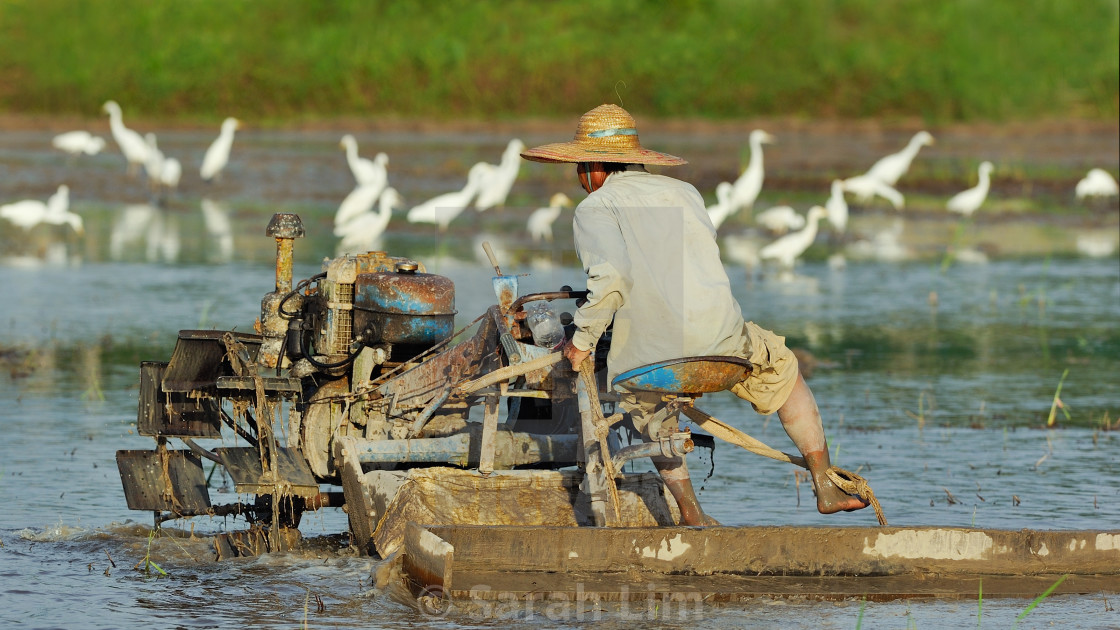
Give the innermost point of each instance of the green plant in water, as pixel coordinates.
(958, 235)
(921, 415)
(1057, 403)
(147, 560)
(980, 602)
(862, 606)
(1038, 600)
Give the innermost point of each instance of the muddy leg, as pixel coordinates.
(802, 421)
(674, 472)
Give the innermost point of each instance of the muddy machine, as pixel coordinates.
(356, 378)
(493, 468)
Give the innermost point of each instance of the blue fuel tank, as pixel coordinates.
(407, 306)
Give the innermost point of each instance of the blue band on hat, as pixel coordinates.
(629, 131)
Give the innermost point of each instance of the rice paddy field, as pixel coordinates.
(968, 367)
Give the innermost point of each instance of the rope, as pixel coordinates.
(856, 485)
(602, 429)
(849, 482)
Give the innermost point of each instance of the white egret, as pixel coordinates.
(741, 249)
(745, 190)
(365, 171)
(497, 184)
(865, 188)
(837, 207)
(361, 233)
(780, 219)
(359, 204)
(1097, 183)
(722, 208)
(132, 144)
(170, 173)
(890, 168)
(541, 220)
(443, 209)
(788, 248)
(29, 213)
(77, 142)
(217, 156)
(966, 202)
(359, 201)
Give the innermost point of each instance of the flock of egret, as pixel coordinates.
(360, 226)
(365, 213)
(878, 181)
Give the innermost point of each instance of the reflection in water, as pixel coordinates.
(219, 229)
(144, 227)
(884, 245)
(89, 365)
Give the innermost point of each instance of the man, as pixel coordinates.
(654, 271)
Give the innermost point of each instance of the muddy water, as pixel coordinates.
(935, 376)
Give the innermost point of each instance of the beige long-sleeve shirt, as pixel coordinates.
(653, 268)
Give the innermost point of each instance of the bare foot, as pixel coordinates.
(831, 499)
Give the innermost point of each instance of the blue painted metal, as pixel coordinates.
(689, 375)
(505, 288)
(415, 308)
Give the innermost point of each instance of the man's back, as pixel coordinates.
(648, 238)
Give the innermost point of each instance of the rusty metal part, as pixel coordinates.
(321, 424)
(284, 225)
(163, 481)
(549, 295)
(510, 449)
(689, 375)
(677, 445)
(173, 414)
(199, 358)
(201, 452)
(406, 307)
(290, 475)
(416, 387)
(285, 228)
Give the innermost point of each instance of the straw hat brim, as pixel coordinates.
(559, 152)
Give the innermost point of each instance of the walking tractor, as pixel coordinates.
(482, 449)
(356, 378)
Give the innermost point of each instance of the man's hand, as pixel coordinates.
(574, 354)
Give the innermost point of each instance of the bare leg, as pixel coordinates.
(802, 421)
(675, 474)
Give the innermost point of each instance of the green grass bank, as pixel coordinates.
(940, 61)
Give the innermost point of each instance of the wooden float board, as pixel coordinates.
(733, 563)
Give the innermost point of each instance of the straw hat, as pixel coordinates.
(605, 134)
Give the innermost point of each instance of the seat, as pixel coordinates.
(688, 375)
